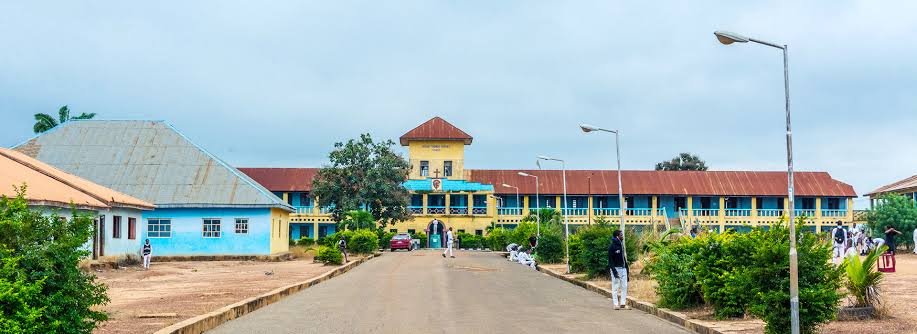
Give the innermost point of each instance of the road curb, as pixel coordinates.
(208, 321)
(665, 314)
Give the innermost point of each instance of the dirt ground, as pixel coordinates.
(899, 296)
(191, 288)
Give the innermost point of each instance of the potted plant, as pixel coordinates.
(862, 284)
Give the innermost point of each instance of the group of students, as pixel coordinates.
(523, 255)
(857, 240)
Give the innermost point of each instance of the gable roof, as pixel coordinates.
(150, 160)
(435, 129)
(897, 186)
(46, 185)
(283, 179)
(639, 182)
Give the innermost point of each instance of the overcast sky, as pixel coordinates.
(275, 83)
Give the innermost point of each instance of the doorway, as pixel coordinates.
(435, 237)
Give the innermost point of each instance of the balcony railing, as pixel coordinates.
(303, 210)
(606, 212)
(738, 212)
(416, 210)
(326, 209)
(706, 212)
(479, 210)
(436, 210)
(805, 212)
(770, 212)
(509, 211)
(576, 211)
(458, 210)
(638, 212)
(833, 213)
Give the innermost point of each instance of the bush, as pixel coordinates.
(551, 244)
(470, 241)
(897, 211)
(592, 258)
(721, 267)
(363, 241)
(42, 289)
(305, 242)
(385, 238)
(521, 234)
(422, 237)
(497, 239)
(329, 255)
(862, 281)
(677, 288)
(331, 240)
(576, 248)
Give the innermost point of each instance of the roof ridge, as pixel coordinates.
(107, 202)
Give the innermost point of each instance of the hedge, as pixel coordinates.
(329, 255)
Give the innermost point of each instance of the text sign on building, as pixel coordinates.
(436, 184)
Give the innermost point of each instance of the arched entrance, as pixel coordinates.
(435, 235)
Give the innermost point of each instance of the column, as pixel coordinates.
(653, 206)
(286, 197)
(721, 214)
(424, 203)
(557, 201)
(315, 210)
(754, 210)
(818, 210)
(447, 204)
(315, 230)
(850, 209)
(470, 203)
(589, 207)
(786, 206)
(691, 208)
(525, 205)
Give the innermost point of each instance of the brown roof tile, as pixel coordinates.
(435, 129)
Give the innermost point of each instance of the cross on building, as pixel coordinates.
(436, 173)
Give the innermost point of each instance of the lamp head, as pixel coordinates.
(523, 174)
(727, 38)
(508, 186)
(588, 128)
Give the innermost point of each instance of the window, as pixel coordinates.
(394, 230)
(424, 168)
(116, 227)
(131, 228)
(322, 231)
(304, 199)
(447, 168)
(159, 228)
(241, 225)
(478, 232)
(211, 228)
(411, 231)
(461, 231)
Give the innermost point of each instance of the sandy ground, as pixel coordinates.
(899, 291)
(191, 288)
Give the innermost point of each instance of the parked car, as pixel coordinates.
(400, 241)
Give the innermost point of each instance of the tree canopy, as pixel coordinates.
(683, 161)
(895, 210)
(364, 175)
(45, 122)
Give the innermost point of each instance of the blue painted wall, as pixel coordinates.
(299, 230)
(187, 232)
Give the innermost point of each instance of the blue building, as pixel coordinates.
(203, 205)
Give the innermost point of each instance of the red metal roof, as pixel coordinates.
(897, 186)
(719, 183)
(435, 129)
(283, 179)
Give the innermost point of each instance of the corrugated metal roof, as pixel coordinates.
(720, 183)
(435, 129)
(901, 185)
(46, 185)
(283, 179)
(150, 160)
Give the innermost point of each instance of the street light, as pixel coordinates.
(537, 202)
(563, 208)
(621, 205)
(727, 38)
(517, 196)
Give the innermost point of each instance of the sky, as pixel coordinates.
(277, 83)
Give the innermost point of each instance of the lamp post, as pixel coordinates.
(622, 207)
(563, 208)
(537, 202)
(498, 204)
(727, 38)
(517, 196)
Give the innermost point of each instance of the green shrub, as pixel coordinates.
(899, 212)
(470, 241)
(331, 240)
(721, 267)
(42, 289)
(498, 239)
(551, 244)
(422, 237)
(385, 238)
(592, 258)
(363, 241)
(521, 234)
(677, 288)
(576, 248)
(305, 242)
(329, 255)
(819, 280)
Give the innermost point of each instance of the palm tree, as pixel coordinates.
(44, 122)
(862, 278)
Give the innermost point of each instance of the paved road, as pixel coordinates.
(420, 292)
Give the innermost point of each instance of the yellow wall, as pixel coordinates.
(437, 151)
(280, 231)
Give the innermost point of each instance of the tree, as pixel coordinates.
(895, 210)
(357, 219)
(44, 122)
(683, 161)
(364, 175)
(42, 289)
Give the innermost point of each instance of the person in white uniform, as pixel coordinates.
(915, 241)
(147, 252)
(513, 250)
(448, 244)
(840, 240)
(526, 259)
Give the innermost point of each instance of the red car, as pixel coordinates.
(400, 241)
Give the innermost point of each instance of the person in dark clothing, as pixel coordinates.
(617, 264)
(533, 241)
(890, 234)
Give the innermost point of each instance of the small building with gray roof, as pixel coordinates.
(204, 206)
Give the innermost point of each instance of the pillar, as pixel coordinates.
(721, 214)
(557, 202)
(424, 203)
(447, 203)
(470, 203)
(691, 208)
(316, 209)
(315, 230)
(818, 210)
(653, 214)
(754, 210)
(850, 209)
(525, 205)
(589, 207)
(286, 197)
(786, 206)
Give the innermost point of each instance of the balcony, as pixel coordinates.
(576, 211)
(606, 212)
(834, 213)
(805, 212)
(326, 209)
(706, 212)
(303, 210)
(458, 210)
(436, 210)
(416, 210)
(770, 212)
(479, 210)
(509, 211)
(738, 212)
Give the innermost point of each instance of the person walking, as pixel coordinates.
(448, 244)
(618, 268)
(342, 246)
(147, 252)
(890, 234)
(840, 240)
(915, 241)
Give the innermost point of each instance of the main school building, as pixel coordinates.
(469, 200)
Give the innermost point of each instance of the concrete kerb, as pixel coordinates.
(208, 321)
(665, 314)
